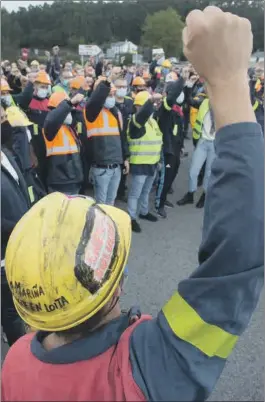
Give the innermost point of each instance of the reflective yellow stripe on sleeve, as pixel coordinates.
(255, 106)
(186, 323)
(166, 105)
(31, 194)
(135, 122)
(79, 128)
(35, 129)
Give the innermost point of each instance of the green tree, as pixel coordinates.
(164, 29)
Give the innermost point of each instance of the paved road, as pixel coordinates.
(162, 255)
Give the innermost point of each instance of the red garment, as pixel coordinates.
(178, 110)
(41, 105)
(106, 377)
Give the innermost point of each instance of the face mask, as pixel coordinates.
(68, 120)
(6, 133)
(65, 83)
(6, 99)
(165, 71)
(121, 92)
(42, 93)
(110, 102)
(180, 99)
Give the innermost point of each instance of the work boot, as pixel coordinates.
(169, 204)
(187, 199)
(162, 212)
(136, 227)
(200, 203)
(149, 217)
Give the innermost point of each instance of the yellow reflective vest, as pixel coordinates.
(203, 110)
(147, 149)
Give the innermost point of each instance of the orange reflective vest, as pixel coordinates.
(64, 143)
(105, 124)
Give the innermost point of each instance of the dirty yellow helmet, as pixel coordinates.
(166, 64)
(65, 259)
(17, 118)
(141, 98)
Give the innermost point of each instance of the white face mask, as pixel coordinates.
(7, 99)
(109, 102)
(121, 92)
(68, 120)
(42, 93)
(181, 98)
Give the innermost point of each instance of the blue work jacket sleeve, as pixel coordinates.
(180, 355)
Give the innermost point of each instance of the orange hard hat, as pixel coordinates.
(43, 78)
(4, 85)
(138, 82)
(57, 98)
(78, 82)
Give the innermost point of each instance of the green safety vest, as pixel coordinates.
(203, 110)
(147, 149)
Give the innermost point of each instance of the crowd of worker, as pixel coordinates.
(66, 128)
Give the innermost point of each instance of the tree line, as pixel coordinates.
(68, 23)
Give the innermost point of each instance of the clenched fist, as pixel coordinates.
(218, 44)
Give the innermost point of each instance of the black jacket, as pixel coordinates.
(15, 200)
(62, 169)
(109, 149)
(170, 121)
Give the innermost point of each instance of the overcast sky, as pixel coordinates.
(14, 5)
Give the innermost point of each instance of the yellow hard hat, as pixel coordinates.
(141, 98)
(166, 64)
(35, 63)
(65, 259)
(17, 118)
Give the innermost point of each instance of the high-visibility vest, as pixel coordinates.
(194, 111)
(105, 124)
(147, 149)
(256, 105)
(203, 110)
(64, 143)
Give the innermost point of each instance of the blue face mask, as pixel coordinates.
(121, 92)
(65, 83)
(109, 102)
(165, 71)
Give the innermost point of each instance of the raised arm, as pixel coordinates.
(180, 355)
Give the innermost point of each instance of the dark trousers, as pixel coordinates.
(122, 186)
(186, 120)
(12, 324)
(171, 166)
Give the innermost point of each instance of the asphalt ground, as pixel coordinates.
(165, 253)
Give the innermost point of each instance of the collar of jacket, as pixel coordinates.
(96, 343)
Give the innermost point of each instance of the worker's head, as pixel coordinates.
(42, 67)
(68, 66)
(55, 100)
(116, 73)
(65, 78)
(42, 85)
(6, 98)
(79, 70)
(89, 71)
(71, 280)
(259, 71)
(140, 99)
(166, 67)
(138, 84)
(121, 88)
(35, 66)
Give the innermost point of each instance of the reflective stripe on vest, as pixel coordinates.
(166, 105)
(79, 128)
(203, 110)
(105, 124)
(146, 150)
(256, 105)
(64, 143)
(35, 129)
